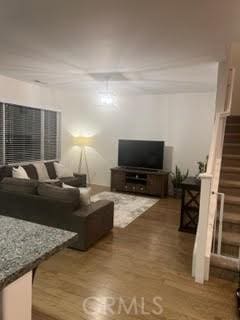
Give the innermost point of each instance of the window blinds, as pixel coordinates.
(28, 134)
(1, 135)
(23, 134)
(50, 135)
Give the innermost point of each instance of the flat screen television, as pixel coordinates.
(141, 154)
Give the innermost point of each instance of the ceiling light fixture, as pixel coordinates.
(107, 99)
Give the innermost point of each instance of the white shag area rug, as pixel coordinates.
(126, 207)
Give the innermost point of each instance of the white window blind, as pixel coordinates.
(22, 134)
(50, 135)
(1, 135)
(28, 134)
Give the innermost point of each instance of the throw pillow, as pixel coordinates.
(59, 194)
(19, 173)
(85, 194)
(31, 171)
(62, 171)
(50, 169)
(41, 171)
(19, 185)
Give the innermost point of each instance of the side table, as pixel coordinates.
(190, 205)
(83, 179)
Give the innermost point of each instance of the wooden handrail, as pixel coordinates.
(216, 130)
(217, 142)
(209, 189)
(230, 85)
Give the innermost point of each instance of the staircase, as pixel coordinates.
(227, 263)
(217, 241)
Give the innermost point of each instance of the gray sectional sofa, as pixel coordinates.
(54, 206)
(75, 181)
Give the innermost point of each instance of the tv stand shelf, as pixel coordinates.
(149, 182)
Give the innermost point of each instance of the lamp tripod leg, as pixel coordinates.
(87, 168)
(80, 161)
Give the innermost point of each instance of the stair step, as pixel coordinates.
(230, 173)
(227, 263)
(231, 238)
(231, 156)
(232, 128)
(231, 217)
(232, 137)
(229, 183)
(233, 119)
(231, 169)
(232, 200)
(233, 124)
(231, 148)
(230, 187)
(231, 160)
(232, 134)
(232, 144)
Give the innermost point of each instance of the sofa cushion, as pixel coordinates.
(50, 169)
(66, 195)
(85, 194)
(62, 171)
(31, 171)
(19, 173)
(6, 171)
(19, 185)
(41, 171)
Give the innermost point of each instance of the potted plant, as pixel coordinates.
(177, 179)
(202, 167)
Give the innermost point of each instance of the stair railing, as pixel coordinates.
(220, 226)
(209, 192)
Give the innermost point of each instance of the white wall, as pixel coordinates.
(233, 60)
(19, 92)
(184, 121)
(191, 118)
(222, 82)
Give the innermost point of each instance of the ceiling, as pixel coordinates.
(152, 46)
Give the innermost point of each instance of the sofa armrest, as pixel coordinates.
(94, 207)
(79, 174)
(82, 177)
(73, 181)
(94, 221)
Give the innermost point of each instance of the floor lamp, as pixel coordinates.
(83, 142)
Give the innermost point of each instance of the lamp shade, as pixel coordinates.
(82, 141)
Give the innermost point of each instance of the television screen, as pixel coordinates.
(141, 154)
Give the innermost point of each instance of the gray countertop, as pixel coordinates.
(24, 245)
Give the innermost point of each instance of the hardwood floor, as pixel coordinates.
(146, 259)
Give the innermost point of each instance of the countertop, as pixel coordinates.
(24, 245)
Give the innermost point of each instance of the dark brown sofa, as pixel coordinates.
(22, 199)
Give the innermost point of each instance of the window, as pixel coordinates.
(28, 134)
(1, 134)
(50, 135)
(22, 134)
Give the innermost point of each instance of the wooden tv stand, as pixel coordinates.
(149, 182)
